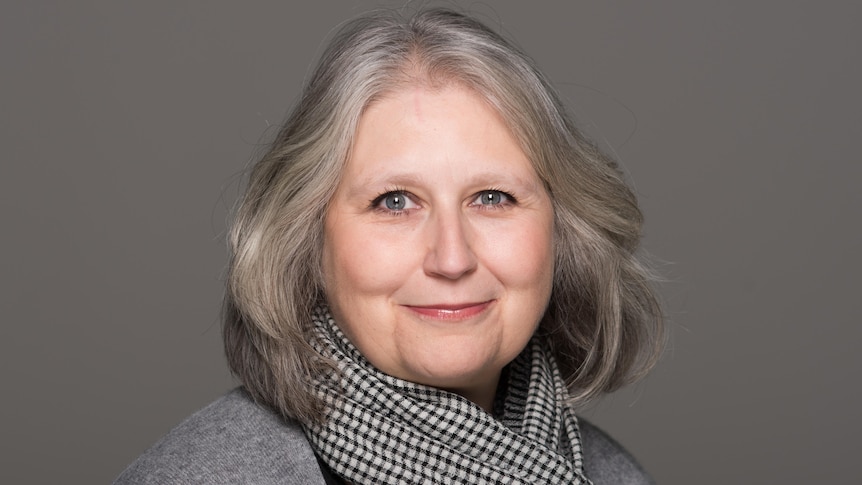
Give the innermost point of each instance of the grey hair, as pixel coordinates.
(603, 321)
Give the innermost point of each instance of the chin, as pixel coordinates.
(456, 367)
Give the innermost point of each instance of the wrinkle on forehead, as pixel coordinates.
(417, 103)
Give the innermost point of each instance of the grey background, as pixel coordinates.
(125, 126)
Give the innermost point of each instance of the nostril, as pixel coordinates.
(451, 254)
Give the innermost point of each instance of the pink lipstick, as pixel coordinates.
(451, 312)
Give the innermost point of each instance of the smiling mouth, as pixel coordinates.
(452, 313)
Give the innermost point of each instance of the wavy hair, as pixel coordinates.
(603, 321)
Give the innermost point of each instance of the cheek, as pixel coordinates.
(359, 261)
(523, 258)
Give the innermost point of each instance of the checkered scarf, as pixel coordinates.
(381, 429)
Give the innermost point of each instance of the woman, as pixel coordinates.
(430, 268)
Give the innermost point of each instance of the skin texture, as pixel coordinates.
(438, 252)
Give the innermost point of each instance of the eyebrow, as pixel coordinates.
(408, 179)
(382, 178)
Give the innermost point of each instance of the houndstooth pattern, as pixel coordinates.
(381, 429)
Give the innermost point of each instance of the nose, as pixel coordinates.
(450, 254)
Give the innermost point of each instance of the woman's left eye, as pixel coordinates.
(492, 197)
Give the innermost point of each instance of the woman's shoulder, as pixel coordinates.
(235, 440)
(606, 461)
(232, 440)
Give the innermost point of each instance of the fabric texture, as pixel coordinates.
(231, 441)
(235, 440)
(383, 429)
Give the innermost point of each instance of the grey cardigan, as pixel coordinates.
(234, 440)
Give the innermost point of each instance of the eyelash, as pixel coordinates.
(510, 200)
(375, 203)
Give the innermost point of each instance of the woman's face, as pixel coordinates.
(438, 253)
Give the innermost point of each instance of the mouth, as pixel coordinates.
(451, 312)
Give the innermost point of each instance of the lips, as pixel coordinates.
(451, 312)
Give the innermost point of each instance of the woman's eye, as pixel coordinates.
(394, 201)
(492, 197)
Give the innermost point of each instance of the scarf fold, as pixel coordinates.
(381, 429)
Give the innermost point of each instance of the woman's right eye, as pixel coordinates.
(394, 201)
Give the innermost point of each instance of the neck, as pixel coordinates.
(482, 396)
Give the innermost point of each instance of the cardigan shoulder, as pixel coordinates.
(606, 461)
(235, 440)
(232, 440)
